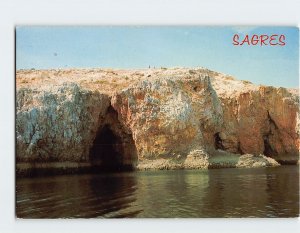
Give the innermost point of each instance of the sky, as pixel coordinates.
(127, 47)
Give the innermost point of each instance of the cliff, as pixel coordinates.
(151, 118)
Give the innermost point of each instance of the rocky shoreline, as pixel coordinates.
(194, 161)
(214, 162)
(76, 120)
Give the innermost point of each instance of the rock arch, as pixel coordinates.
(113, 148)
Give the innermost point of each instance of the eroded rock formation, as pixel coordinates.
(259, 120)
(153, 118)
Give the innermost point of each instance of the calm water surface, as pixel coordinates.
(257, 192)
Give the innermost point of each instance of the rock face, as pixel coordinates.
(259, 120)
(153, 118)
(170, 116)
(57, 124)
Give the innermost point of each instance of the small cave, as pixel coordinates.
(197, 88)
(113, 149)
(268, 150)
(218, 141)
(239, 149)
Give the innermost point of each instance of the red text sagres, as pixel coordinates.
(259, 40)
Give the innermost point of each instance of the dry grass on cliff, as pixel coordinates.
(106, 80)
(109, 81)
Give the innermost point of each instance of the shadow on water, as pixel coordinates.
(84, 196)
(260, 192)
(117, 192)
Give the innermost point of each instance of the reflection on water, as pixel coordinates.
(259, 192)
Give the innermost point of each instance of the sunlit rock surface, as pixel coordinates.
(156, 118)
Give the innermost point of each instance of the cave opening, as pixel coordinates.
(113, 149)
(104, 151)
(267, 138)
(218, 141)
(268, 150)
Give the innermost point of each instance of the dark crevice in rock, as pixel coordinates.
(271, 121)
(239, 149)
(218, 141)
(113, 149)
(268, 148)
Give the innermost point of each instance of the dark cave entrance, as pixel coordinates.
(268, 150)
(113, 149)
(104, 150)
(218, 141)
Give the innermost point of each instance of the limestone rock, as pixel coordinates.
(159, 164)
(249, 160)
(171, 115)
(259, 119)
(57, 124)
(197, 159)
(170, 118)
